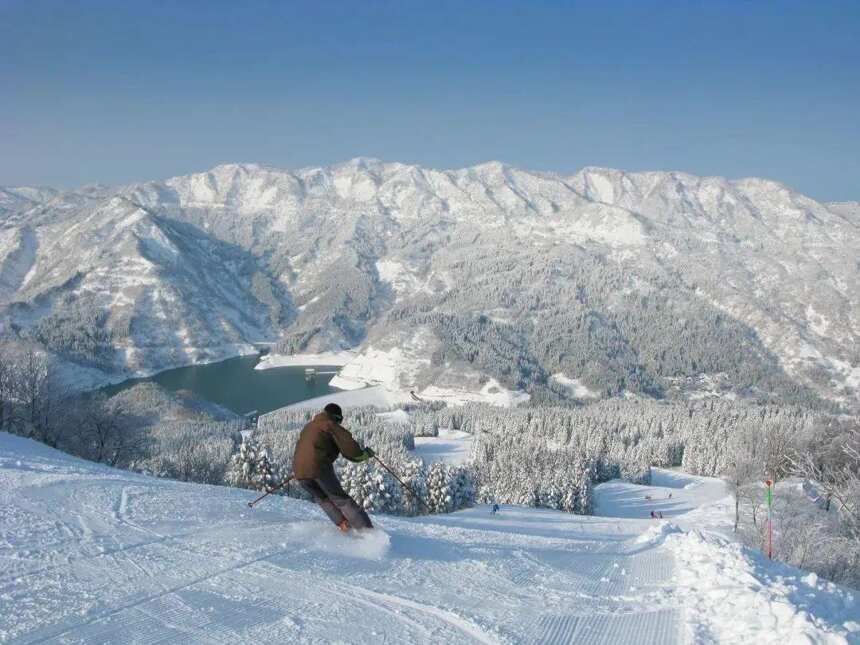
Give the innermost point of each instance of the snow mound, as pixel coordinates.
(657, 533)
(734, 592)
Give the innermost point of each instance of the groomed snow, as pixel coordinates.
(95, 555)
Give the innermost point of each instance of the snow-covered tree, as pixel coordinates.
(252, 468)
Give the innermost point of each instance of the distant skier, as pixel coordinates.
(320, 443)
(653, 515)
(660, 514)
(495, 509)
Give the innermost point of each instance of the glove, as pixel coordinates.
(366, 454)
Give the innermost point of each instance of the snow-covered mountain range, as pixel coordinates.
(612, 281)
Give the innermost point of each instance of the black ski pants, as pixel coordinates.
(329, 494)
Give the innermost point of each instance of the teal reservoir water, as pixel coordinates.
(237, 386)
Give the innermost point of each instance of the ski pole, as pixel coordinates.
(269, 492)
(402, 483)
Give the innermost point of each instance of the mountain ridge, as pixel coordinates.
(340, 256)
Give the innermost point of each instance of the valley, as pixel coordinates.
(641, 284)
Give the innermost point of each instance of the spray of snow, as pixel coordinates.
(372, 544)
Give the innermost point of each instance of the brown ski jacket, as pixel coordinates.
(320, 443)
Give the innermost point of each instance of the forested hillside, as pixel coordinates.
(622, 283)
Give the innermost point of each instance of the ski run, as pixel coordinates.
(89, 554)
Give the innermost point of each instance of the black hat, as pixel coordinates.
(334, 411)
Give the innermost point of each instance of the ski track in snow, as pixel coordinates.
(94, 555)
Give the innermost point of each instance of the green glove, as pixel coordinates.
(366, 454)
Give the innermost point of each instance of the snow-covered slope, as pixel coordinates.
(123, 289)
(95, 555)
(636, 277)
(23, 198)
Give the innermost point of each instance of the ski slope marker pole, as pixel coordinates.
(401, 482)
(769, 519)
(267, 493)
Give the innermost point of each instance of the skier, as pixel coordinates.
(320, 443)
(495, 509)
(653, 515)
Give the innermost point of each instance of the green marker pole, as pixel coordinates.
(769, 519)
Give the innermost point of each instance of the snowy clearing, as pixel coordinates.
(383, 397)
(576, 388)
(451, 446)
(326, 359)
(396, 416)
(395, 368)
(376, 377)
(378, 396)
(493, 393)
(95, 555)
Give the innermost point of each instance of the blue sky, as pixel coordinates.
(123, 91)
